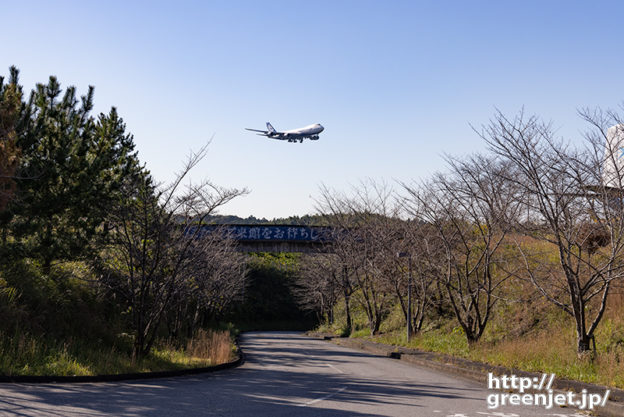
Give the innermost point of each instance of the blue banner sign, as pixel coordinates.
(268, 232)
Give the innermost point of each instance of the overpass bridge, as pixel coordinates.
(275, 238)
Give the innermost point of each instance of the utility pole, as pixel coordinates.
(409, 298)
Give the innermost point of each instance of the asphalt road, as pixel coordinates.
(285, 374)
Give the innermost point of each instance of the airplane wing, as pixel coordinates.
(269, 134)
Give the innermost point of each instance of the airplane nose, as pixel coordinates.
(322, 128)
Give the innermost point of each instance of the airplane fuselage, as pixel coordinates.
(314, 129)
(308, 132)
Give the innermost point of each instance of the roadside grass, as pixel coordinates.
(338, 327)
(59, 325)
(540, 340)
(542, 352)
(212, 345)
(29, 355)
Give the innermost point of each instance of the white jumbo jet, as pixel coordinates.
(309, 132)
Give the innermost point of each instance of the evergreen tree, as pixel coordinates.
(10, 103)
(71, 171)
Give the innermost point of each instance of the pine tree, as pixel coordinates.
(71, 171)
(10, 103)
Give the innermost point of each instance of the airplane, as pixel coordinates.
(309, 132)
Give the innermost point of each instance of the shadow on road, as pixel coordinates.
(276, 381)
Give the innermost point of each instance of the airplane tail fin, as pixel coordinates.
(270, 128)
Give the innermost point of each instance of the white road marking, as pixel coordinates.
(322, 398)
(501, 414)
(334, 368)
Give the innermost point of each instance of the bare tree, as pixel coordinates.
(216, 279)
(361, 221)
(155, 251)
(331, 205)
(420, 245)
(318, 284)
(568, 205)
(469, 208)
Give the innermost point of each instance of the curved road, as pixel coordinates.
(285, 374)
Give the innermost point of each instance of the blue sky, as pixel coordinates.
(396, 84)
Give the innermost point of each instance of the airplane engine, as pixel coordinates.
(315, 137)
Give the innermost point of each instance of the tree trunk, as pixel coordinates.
(347, 295)
(46, 267)
(583, 344)
(578, 308)
(471, 339)
(330, 316)
(472, 333)
(419, 317)
(139, 339)
(47, 258)
(348, 313)
(137, 349)
(375, 325)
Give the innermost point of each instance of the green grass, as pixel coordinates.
(540, 352)
(59, 325)
(29, 355)
(539, 340)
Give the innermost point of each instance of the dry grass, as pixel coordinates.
(212, 345)
(525, 332)
(553, 350)
(531, 336)
(25, 354)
